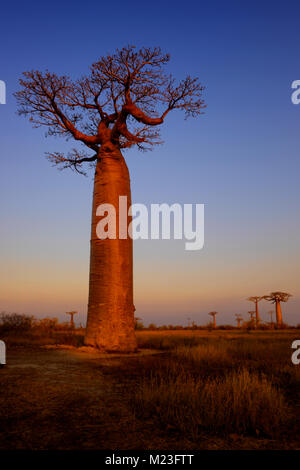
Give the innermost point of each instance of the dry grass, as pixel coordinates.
(205, 354)
(241, 403)
(232, 383)
(207, 389)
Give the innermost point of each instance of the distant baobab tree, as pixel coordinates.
(256, 299)
(119, 104)
(72, 324)
(238, 319)
(213, 314)
(276, 298)
(252, 313)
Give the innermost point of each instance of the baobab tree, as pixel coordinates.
(252, 313)
(213, 314)
(238, 319)
(120, 104)
(256, 299)
(276, 298)
(72, 313)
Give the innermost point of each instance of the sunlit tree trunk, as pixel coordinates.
(278, 313)
(110, 323)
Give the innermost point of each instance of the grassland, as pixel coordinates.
(184, 390)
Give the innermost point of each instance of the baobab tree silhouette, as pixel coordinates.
(256, 299)
(276, 298)
(72, 313)
(121, 103)
(252, 313)
(213, 314)
(238, 319)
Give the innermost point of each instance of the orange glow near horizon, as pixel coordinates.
(165, 286)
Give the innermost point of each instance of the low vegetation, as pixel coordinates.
(202, 388)
(241, 402)
(19, 329)
(234, 384)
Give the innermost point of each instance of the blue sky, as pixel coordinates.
(241, 158)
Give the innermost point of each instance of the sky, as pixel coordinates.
(240, 159)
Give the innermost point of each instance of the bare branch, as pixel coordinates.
(128, 86)
(74, 160)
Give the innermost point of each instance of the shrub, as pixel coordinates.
(47, 325)
(15, 323)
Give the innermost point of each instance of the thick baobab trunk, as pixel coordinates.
(110, 323)
(278, 313)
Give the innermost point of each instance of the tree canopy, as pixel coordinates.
(278, 297)
(119, 104)
(255, 298)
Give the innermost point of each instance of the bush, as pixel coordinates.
(47, 325)
(15, 323)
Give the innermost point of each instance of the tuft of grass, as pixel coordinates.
(205, 355)
(241, 403)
